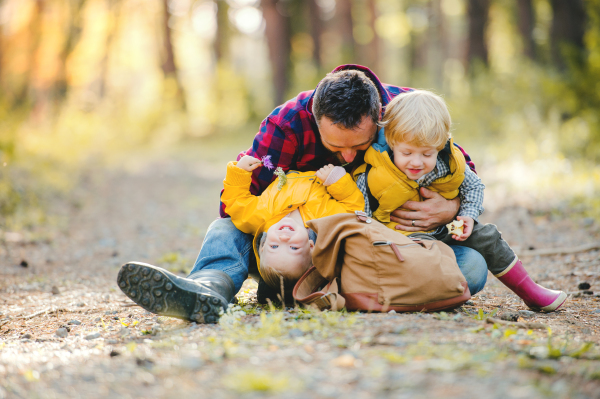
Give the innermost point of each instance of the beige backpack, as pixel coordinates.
(363, 265)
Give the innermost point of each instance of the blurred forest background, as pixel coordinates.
(95, 83)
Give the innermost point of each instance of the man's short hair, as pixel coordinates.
(418, 117)
(346, 97)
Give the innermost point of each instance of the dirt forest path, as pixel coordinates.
(66, 330)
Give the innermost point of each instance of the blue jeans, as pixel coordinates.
(473, 267)
(227, 249)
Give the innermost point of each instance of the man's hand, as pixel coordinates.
(426, 215)
(324, 172)
(467, 228)
(248, 163)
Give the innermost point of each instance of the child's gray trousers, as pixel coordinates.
(485, 239)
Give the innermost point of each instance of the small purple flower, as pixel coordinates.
(266, 161)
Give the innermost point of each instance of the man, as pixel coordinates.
(335, 123)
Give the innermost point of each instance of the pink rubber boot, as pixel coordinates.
(535, 296)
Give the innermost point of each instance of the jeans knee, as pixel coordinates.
(473, 267)
(223, 227)
(227, 249)
(222, 237)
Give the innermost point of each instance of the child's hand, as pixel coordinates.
(467, 228)
(248, 163)
(324, 172)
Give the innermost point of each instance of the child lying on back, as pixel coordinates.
(416, 151)
(284, 251)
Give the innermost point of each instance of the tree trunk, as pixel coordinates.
(168, 66)
(437, 44)
(316, 30)
(526, 20)
(74, 30)
(2, 88)
(114, 15)
(370, 52)
(478, 12)
(221, 43)
(277, 31)
(22, 94)
(567, 31)
(346, 30)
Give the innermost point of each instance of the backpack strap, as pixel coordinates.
(444, 154)
(307, 292)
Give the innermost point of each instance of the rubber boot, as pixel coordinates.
(199, 298)
(534, 295)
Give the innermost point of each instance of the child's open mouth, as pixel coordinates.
(286, 227)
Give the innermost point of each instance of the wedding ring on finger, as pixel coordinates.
(413, 223)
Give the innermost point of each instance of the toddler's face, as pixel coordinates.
(287, 247)
(414, 161)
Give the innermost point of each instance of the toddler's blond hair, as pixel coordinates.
(418, 117)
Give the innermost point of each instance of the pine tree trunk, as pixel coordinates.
(277, 31)
(221, 43)
(346, 30)
(526, 18)
(478, 12)
(436, 38)
(1, 59)
(316, 30)
(169, 66)
(567, 32)
(370, 52)
(61, 86)
(114, 13)
(22, 96)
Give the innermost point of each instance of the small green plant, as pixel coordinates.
(270, 325)
(246, 381)
(556, 352)
(395, 358)
(441, 316)
(509, 332)
(481, 315)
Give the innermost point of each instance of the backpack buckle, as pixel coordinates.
(323, 302)
(363, 217)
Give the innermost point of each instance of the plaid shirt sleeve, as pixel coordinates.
(274, 141)
(471, 195)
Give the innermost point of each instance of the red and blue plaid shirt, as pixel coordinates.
(291, 137)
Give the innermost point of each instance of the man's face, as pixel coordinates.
(346, 144)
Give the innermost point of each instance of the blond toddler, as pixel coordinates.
(281, 212)
(415, 149)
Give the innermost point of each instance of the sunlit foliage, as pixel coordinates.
(85, 81)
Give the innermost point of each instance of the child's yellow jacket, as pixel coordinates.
(255, 214)
(392, 188)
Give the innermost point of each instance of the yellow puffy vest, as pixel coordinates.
(392, 188)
